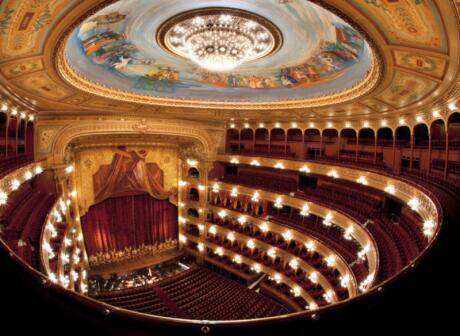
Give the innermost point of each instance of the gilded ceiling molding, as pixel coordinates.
(64, 135)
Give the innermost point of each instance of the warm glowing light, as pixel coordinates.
(234, 161)
(231, 236)
(428, 227)
(192, 163)
(264, 227)
(234, 192)
(31, 117)
(277, 125)
(310, 246)
(38, 170)
(294, 125)
(232, 125)
(333, 173)
(366, 283)
(296, 291)
(23, 115)
(52, 277)
(279, 202)
(246, 125)
(28, 175)
(348, 124)
(255, 196)
(182, 239)
(304, 169)
(256, 268)
(279, 165)
(215, 188)
(219, 251)
(201, 187)
(313, 277)
(261, 125)
(69, 169)
(3, 197)
(237, 259)
(329, 124)
(277, 278)
(294, 263)
(419, 119)
(250, 243)
(287, 235)
(255, 163)
(328, 296)
(330, 261)
(383, 123)
(436, 114)
(363, 252)
(183, 183)
(15, 184)
(345, 280)
(366, 124)
(201, 227)
(200, 247)
(312, 125)
(362, 180)
(213, 230)
(220, 42)
(271, 253)
(390, 189)
(222, 213)
(452, 106)
(305, 210)
(348, 233)
(414, 204)
(327, 221)
(182, 220)
(402, 121)
(242, 220)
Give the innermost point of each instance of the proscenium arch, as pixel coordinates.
(102, 127)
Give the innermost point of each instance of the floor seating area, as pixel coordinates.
(197, 293)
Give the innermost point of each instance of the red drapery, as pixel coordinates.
(128, 221)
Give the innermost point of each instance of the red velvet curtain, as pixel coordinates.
(128, 221)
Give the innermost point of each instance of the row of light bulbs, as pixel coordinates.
(5, 108)
(365, 124)
(414, 203)
(16, 182)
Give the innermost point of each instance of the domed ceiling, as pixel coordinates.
(119, 50)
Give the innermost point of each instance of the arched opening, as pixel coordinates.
(247, 140)
(3, 118)
(262, 140)
(194, 195)
(294, 135)
(454, 131)
(192, 212)
(438, 145)
(403, 137)
(330, 141)
(366, 136)
(277, 141)
(193, 172)
(312, 138)
(421, 136)
(453, 164)
(385, 137)
(347, 149)
(330, 136)
(233, 136)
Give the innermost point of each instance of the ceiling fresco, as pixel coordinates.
(101, 56)
(116, 48)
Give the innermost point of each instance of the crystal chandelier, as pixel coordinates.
(220, 39)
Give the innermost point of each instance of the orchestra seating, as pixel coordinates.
(197, 293)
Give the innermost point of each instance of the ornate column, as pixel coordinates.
(429, 150)
(411, 150)
(446, 161)
(376, 135)
(357, 146)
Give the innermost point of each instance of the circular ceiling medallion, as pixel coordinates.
(257, 54)
(219, 39)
